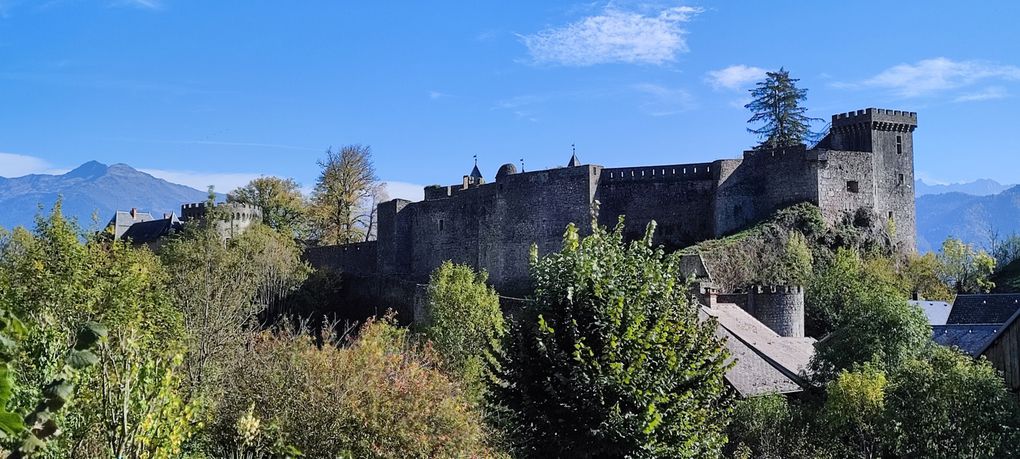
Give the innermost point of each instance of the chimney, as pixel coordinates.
(134, 213)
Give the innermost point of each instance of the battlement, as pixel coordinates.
(776, 289)
(696, 171)
(234, 210)
(877, 118)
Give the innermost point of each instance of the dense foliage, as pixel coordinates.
(379, 395)
(284, 209)
(612, 360)
(464, 320)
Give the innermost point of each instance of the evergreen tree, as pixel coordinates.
(776, 104)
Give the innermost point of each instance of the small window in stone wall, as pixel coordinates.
(890, 215)
(852, 186)
(901, 180)
(899, 145)
(441, 222)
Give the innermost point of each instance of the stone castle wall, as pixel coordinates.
(866, 162)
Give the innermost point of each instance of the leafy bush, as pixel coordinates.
(464, 320)
(380, 395)
(612, 360)
(771, 427)
(949, 405)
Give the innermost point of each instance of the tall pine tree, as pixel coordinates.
(776, 104)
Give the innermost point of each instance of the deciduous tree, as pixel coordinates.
(283, 207)
(346, 181)
(612, 360)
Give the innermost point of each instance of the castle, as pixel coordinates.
(864, 164)
(142, 228)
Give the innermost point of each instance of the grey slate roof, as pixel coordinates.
(149, 231)
(574, 162)
(970, 338)
(984, 308)
(766, 363)
(122, 220)
(937, 311)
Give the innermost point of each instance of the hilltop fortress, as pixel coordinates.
(864, 164)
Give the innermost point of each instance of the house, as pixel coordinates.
(986, 325)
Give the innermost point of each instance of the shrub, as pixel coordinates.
(381, 395)
(464, 320)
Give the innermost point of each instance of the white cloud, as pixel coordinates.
(933, 76)
(615, 36)
(734, 77)
(15, 165)
(989, 93)
(437, 95)
(221, 182)
(663, 101)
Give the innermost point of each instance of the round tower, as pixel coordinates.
(780, 308)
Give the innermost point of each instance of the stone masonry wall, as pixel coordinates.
(680, 198)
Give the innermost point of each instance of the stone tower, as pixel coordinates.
(889, 136)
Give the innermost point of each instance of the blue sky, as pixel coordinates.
(217, 92)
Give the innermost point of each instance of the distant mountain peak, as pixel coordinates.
(90, 169)
(979, 187)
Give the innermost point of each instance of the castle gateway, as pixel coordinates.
(865, 162)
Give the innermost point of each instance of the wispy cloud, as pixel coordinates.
(936, 76)
(436, 95)
(989, 93)
(734, 77)
(222, 182)
(15, 165)
(276, 146)
(663, 101)
(141, 4)
(614, 36)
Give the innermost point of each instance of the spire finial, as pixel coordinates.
(522, 164)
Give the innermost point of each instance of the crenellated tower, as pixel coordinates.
(888, 135)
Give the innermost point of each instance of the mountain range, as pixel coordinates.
(969, 211)
(973, 219)
(980, 187)
(91, 189)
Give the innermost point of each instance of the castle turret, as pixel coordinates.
(779, 308)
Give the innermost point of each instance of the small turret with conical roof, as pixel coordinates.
(574, 162)
(476, 176)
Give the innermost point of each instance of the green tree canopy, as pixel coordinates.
(283, 207)
(949, 405)
(776, 106)
(965, 268)
(612, 360)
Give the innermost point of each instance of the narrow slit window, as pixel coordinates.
(901, 180)
(899, 145)
(441, 224)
